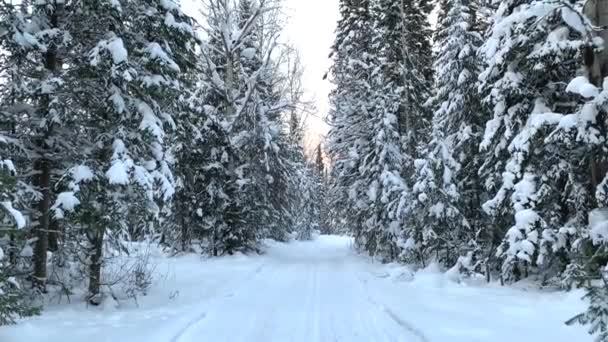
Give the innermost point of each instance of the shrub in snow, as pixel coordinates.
(465, 267)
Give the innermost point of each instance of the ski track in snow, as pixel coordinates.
(201, 316)
(317, 291)
(410, 328)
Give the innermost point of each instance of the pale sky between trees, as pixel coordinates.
(311, 29)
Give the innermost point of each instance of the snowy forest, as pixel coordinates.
(476, 141)
(481, 144)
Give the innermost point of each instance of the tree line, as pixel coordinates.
(127, 121)
(479, 144)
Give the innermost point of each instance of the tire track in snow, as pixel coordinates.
(409, 327)
(189, 325)
(201, 316)
(400, 321)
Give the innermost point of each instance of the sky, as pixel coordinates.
(310, 28)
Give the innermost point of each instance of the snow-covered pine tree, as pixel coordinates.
(225, 40)
(215, 204)
(219, 205)
(533, 50)
(14, 299)
(406, 31)
(422, 33)
(200, 148)
(304, 187)
(401, 59)
(322, 176)
(272, 170)
(35, 38)
(14, 296)
(244, 75)
(446, 192)
(378, 174)
(581, 137)
(127, 79)
(349, 74)
(308, 211)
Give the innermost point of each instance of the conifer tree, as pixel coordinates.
(243, 67)
(446, 192)
(36, 38)
(531, 44)
(124, 170)
(349, 72)
(14, 299)
(580, 137)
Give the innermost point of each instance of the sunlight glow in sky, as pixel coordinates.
(311, 29)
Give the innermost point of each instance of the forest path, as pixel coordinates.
(312, 291)
(308, 291)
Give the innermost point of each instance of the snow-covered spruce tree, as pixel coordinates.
(446, 192)
(14, 299)
(127, 79)
(200, 148)
(324, 210)
(15, 266)
(308, 208)
(381, 160)
(36, 37)
(215, 203)
(406, 30)
(582, 137)
(382, 75)
(533, 50)
(224, 177)
(206, 203)
(273, 173)
(399, 58)
(304, 185)
(421, 32)
(242, 71)
(349, 74)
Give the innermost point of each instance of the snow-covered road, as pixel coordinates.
(317, 291)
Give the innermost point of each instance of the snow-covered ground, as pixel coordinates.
(317, 291)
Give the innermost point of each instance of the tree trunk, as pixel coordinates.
(597, 12)
(42, 242)
(95, 259)
(43, 178)
(596, 64)
(185, 236)
(54, 235)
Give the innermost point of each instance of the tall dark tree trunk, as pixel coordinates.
(95, 259)
(43, 180)
(596, 64)
(42, 166)
(54, 233)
